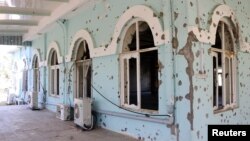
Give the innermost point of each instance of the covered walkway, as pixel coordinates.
(19, 123)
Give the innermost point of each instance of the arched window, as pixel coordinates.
(54, 74)
(139, 68)
(224, 66)
(36, 74)
(25, 76)
(83, 71)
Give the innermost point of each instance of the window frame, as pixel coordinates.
(232, 69)
(126, 55)
(36, 75)
(54, 75)
(84, 62)
(85, 74)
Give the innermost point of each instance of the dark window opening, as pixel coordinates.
(83, 74)
(144, 78)
(133, 81)
(224, 64)
(149, 80)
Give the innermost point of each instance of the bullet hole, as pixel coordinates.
(185, 25)
(205, 89)
(106, 16)
(190, 117)
(111, 78)
(160, 67)
(206, 115)
(106, 46)
(209, 22)
(176, 98)
(179, 83)
(175, 42)
(180, 98)
(195, 88)
(217, 12)
(176, 15)
(161, 14)
(198, 134)
(191, 4)
(187, 96)
(163, 36)
(104, 124)
(118, 40)
(160, 82)
(197, 20)
(97, 29)
(124, 130)
(199, 100)
(156, 34)
(246, 39)
(197, 54)
(154, 15)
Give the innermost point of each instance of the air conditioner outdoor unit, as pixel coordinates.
(82, 113)
(33, 100)
(63, 112)
(10, 99)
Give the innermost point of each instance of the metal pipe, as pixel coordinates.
(166, 121)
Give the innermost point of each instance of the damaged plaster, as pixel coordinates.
(187, 52)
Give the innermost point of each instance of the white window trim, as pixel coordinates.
(82, 63)
(54, 68)
(36, 79)
(232, 83)
(126, 56)
(79, 36)
(36, 73)
(54, 46)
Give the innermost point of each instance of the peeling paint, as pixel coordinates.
(175, 42)
(189, 56)
(176, 15)
(160, 67)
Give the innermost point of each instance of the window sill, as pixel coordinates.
(54, 96)
(227, 108)
(136, 109)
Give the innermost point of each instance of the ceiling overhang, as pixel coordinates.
(57, 14)
(24, 11)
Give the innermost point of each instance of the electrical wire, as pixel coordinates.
(145, 114)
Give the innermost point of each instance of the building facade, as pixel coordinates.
(155, 69)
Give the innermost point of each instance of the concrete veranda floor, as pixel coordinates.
(19, 123)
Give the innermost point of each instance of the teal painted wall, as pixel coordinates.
(191, 95)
